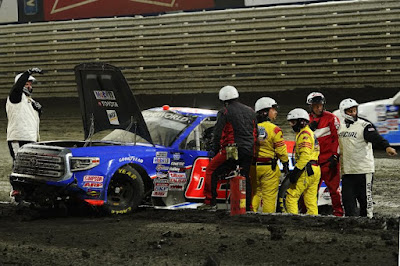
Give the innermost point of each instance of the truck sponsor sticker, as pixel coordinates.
(130, 159)
(161, 186)
(93, 193)
(161, 175)
(112, 117)
(162, 154)
(176, 156)
(104, 95)
(108, 104)
(176, 187)
(161, 167)
(161, 194)
(177, 175)
(179, 163)
(161, 160)
(93, 184)
(158, 180)
(93, 178)
(177, 180)
(176, 169)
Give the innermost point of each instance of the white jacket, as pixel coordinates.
(23, 120)
(357, 154)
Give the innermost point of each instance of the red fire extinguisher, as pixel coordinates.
(238, 195)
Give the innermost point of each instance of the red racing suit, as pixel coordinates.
(326, 133)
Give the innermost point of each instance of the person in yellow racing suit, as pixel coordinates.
(265, 175)
(305, 176)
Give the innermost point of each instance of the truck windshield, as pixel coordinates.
(164, 128)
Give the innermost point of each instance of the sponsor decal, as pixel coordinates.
(176, 169)
(162, 154)
(112, 117)
(176, 156)
(168, 115)
(93, 193)
(161, 160)
(161, 167)
(93, 184)
(161, 186)
(176, 187)
(177, 175)
(161, 194)
(177, 163)
(161, 175)
(177, 180)
(131, 159)
(30, 7)
(104, 95)
(156, 181)
(93, 178)
(108, 104)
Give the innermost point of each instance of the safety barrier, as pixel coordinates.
(339, 45)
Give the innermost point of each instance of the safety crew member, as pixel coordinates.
(305, 176)
(325, 126)
(22, 112)
(265, 175)
(236, 126)
(356, 137)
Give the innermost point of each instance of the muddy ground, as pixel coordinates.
(159, 237)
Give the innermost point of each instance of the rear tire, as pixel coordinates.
(125, 191)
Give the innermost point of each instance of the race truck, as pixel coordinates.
(128, 157)
(384, 115)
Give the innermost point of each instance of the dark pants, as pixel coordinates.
(13, 146)
(357, 187)
(218, 167)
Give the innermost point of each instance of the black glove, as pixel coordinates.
(313, 125)
(35, 70)
(37, 106)
(333, 161)
(286, 168)
(294, 175)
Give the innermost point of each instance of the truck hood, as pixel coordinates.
(106, 101)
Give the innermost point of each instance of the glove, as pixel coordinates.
(333, 161)
(35, 70)
(294, 175)
(37, 106)
(313, 125)
(286, 168)
(211, 154)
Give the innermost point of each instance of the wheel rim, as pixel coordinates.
(120, 192)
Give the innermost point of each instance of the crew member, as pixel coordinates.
(236, 128)
(265, 175)
(356, 137)
(305, 176)
(22, 112)
(325, 126)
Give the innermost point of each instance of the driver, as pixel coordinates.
(235, 127)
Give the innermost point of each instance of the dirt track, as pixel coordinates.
(157, 237)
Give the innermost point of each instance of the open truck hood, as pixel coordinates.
(106, 101)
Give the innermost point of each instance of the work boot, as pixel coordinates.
(207, 207)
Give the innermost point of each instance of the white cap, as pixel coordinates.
(263, 103)
(298, 113)
(20, 74)
(228, 93)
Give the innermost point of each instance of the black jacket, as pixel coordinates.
(236, 123)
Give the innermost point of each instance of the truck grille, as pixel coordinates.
(41, 162)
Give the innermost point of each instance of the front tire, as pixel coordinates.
(125, 191)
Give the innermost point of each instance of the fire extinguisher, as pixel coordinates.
(238, 195)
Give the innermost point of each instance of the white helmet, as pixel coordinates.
(298, 113)
(265, 102)
(346, 104)
(315, 97)
(228, 93)
(20, 74)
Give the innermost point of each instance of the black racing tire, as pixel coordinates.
(125, 191)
